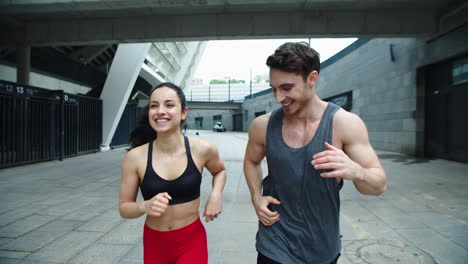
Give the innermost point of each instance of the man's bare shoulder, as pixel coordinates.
(258, 129)
(343, 116)
(348, 125)
(260, 122)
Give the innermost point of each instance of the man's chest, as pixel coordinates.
(297, 136)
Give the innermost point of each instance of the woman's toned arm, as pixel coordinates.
(214, 164)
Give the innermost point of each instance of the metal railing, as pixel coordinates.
(223, 92)
(127, 123)
(40, 125)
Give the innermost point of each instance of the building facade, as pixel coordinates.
(410, 92)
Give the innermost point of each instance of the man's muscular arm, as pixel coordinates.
(254, 155)
(357, 161)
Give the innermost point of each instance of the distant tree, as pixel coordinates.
(226, 81)
(260, 78)
(237, 81)
(218, 82)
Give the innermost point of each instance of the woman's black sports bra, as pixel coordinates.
(182, 189)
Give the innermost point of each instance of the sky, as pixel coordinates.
(236, 58)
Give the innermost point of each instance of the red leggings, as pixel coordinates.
(185, 245)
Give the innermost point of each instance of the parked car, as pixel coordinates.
(218, 127)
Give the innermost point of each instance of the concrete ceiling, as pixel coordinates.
(84, 22)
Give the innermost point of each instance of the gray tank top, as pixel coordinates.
(308, 230)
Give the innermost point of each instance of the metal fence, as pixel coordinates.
(126, 124)
(224, 92)
(40, 125)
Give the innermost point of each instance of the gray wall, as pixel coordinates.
(265, 102)
(386, 94)
(384, 91)
(207, 115)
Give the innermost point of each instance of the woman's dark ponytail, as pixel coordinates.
(143, 132)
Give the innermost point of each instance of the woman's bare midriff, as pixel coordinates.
(175, 217)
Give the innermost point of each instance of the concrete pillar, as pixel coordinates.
(23, 60)
(122, 76)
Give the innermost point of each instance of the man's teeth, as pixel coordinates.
(287, 104)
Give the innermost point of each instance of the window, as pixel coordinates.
(217, 118)
(345, 100)
(198, 122)
(460, 71)
(260, 113)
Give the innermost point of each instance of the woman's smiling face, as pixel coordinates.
(165, 110)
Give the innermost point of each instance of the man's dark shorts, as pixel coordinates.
(261, 259)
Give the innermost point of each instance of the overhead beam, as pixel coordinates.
(368, 23)
(88, 53)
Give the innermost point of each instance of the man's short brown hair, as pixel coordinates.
(295, 57)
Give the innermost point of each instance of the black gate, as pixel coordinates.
(237, 122)
(40, 125)
(126, 124)
(446, 126)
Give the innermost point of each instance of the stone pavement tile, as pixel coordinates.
(109, 192)
(451, 208)
(55, 199)
(42, 236)
(229, 196)
(106, 195)
(241, 212)
(447, 225)
(13, 254)
(344, 260)
(348, 232)
(127, 232)
(135, 255)
(24, 225)
(88, 212)
(60, 226)
(461, 240)
(440, 248)
(454, 230)
(66, 247)
(4, 240)
(74, 183)
(65, 207)
(9, 204)
(409, 206)
(396, 218)
(379, 231)
(238, 236)
(91, 186)
(355, 212)
(25, 261)
(243, 197)
(8, 260)
(375, 203)
(18, 213)
(101, 253)
(102, 223)
(233, 257)
(30, 242)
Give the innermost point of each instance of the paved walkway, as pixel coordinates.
(66, 212)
